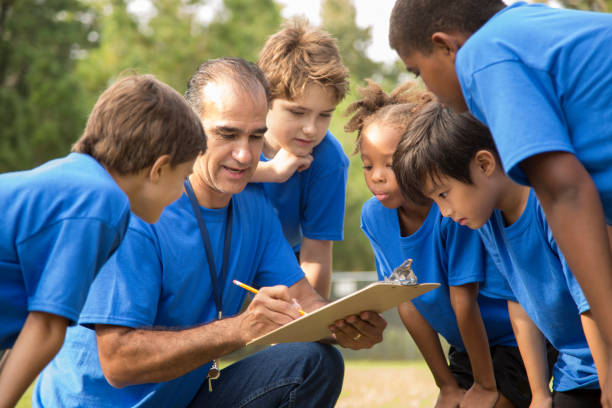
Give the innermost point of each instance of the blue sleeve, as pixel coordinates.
(465, 254)
(323, 214)
(279, 265)
(126, 292)
(382, 266)
(60, 262)
(520, 106)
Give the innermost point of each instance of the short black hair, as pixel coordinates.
(440, 142)
(413, 22)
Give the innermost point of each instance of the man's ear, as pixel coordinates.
(161, 165)
(485, 162)
(447, 42)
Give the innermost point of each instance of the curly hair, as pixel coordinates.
(396, 109)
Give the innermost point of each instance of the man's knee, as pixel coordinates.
(319, 358)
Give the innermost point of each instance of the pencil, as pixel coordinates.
(253, 290)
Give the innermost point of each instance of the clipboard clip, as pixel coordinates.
(403, 274)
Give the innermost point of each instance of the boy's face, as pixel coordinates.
(300, 124)
(467, 204)
(378, 143)
(438, 73)
(164, 185)
(235, 122)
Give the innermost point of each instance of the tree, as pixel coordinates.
(41, 100)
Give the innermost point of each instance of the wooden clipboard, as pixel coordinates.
(377, 297)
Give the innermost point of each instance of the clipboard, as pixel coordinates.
(376, 297)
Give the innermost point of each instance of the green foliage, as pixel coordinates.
(41, 103)
(593, 5)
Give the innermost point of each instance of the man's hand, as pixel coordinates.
(271, 308)
(359, 332)
(450, 397)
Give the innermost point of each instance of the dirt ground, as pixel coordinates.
(374, 384)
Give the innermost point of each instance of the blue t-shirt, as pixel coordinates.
(159, 277)
(541, 79)
(311, 202)
(539, 279)
(442, 252)
(60, 222)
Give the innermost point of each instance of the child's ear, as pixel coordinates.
(485, 161)
(449, 43)
(161, 165)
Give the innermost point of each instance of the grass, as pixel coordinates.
(372, 384)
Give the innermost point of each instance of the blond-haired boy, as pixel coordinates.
(303, 166)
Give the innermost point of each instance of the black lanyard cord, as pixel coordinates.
(217, 289)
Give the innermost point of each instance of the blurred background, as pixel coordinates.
(56, 56)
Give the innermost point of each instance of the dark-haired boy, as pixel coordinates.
(62, 221)
(452, 159)
(541, 79)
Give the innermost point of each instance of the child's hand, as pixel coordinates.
(544, 401)
(480, 397)
(285, 164)
(450, 397)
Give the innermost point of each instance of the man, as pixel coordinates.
(161, 279)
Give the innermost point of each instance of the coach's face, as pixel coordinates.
(234, 120)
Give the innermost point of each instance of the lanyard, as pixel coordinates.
(217, 289)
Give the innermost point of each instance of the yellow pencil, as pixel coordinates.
(253, 290)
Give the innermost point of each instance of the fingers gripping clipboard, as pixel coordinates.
(376, 297)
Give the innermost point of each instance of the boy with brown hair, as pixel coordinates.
(63, 220)
(303, 166)
(541, 79)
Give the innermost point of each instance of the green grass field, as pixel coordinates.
(373, 384)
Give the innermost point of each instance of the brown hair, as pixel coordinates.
(440, 142)
(413, 22)
(299, 55)
(396, 109)
(246, 75)
(137, 120)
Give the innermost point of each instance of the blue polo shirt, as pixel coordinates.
(541, 79)
(539, 279)
(443, 252)
(311, 202)
(60, 222)
(159, 278)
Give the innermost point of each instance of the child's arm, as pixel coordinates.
(484, 391)
(596, 344)
(532, 346)
(281, 167)
(38, 342)
(316, 262)
(574, 212)
(428, 342)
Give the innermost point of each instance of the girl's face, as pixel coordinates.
(378, 143)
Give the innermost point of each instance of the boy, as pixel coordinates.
(451, 158)
(541, 80)
(307, 80)
(63, 220)
(484, 358)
